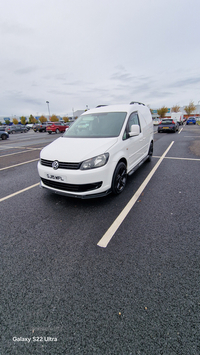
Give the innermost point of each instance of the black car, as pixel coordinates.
(3, 135)
(168, 125)
(41, 127)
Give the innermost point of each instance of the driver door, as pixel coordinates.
(134, 145)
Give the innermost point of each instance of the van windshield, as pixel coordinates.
(97, 125)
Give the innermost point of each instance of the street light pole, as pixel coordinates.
(48, 108)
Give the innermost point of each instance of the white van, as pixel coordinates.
(178, 116)
(95, 155)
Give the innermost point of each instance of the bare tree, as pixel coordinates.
(175, 108)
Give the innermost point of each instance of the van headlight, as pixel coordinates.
(95, 162)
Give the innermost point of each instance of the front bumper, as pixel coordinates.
(74, 195)
(77, 183)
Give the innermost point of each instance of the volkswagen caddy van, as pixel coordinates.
(95, 155)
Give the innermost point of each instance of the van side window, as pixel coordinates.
(133, 120)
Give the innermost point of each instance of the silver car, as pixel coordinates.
(18, 128)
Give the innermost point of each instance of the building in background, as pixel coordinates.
(168, 114)
(77, 113)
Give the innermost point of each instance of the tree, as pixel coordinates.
(175, 108)
(15, 121)
(32, 119)
(23, 120)
(66, 119)
(190, 108)
(162, 111)
(7, 121)
(43, 119)
(54, 118)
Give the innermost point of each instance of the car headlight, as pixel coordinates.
(95, 162)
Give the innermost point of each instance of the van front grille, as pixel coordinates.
(62, 165)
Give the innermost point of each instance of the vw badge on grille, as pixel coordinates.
(55, 164)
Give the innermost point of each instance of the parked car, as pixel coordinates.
(2, 128)
(29, 126)
(168, 125)
(56, 127)
(191, 120)
(41, 127)
(19, 128)
(3, 135)
(95, 154)
(156, 121)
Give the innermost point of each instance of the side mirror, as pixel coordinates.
(135, 131)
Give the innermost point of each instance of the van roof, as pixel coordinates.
(133, 106)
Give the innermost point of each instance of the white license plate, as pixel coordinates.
(55, 177)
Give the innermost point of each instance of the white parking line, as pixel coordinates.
(18, 192)
(13, 166)
(178, 158)
(113, 228)
(23, 151)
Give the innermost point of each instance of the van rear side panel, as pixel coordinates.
(177, 116)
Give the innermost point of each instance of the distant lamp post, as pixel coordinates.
(47, 102)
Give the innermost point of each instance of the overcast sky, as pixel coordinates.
(78, 53)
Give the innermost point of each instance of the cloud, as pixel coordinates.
(120, 76)
(186, 82)
(14, 29)
(27, 70)
(75, 53)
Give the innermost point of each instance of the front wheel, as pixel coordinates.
(57, 130)
(119, 179)
(4, 136)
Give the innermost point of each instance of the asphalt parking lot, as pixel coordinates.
(137, 293)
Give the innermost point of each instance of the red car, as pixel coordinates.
(56, 127)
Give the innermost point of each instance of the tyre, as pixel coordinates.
(4, 136)
(119, 179)
(49, 132)
(150, 153)
(57, 130)
(25, 131)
